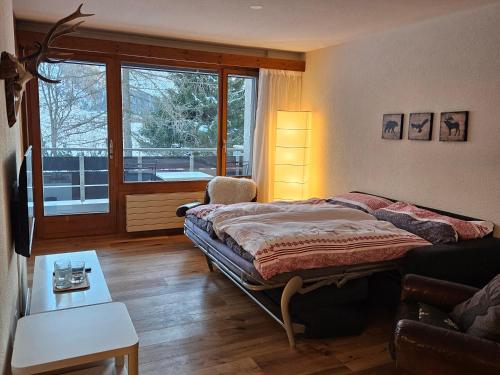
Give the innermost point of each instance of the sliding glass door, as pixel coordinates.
(73, 146)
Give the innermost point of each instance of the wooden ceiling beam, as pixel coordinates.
(133, 50)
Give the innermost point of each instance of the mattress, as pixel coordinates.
(229, 257)
(232, 244)
(242, 267)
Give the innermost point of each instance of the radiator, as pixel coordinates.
(156, 211)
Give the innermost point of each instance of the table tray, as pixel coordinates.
(74, 287)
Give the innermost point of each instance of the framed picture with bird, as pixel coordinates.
(420, 126)
(454, 126)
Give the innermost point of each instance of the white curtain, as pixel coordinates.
(278, 90)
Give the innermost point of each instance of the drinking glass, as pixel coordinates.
(77, 271)
(62, 273)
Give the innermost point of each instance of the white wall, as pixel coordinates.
(444, 64)
(9, 157)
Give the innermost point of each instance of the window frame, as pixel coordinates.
(223, 73)
(49, 226)
(120, 52)
(115, 54)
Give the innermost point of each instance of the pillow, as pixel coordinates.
(468, 230)
(430, 225)
(360, 201)
(480, 314)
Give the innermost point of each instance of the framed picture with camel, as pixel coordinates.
(453, 126)
(420, 126)
(392, 126)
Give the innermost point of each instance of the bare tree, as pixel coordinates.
(73, 113)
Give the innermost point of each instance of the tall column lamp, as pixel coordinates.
(293, 143)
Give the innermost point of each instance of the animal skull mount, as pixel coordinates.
(17, 71)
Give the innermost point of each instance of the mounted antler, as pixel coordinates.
(44, 49)
(18, 71)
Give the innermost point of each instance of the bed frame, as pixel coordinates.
(295, 284)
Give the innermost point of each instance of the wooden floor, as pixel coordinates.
(190, 321)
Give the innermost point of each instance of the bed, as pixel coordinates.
(242, 271)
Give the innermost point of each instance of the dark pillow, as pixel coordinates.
(432, 226)
(480, 314)
(424, 223)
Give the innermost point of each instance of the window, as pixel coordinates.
(74, 138)
(170, 124)
(241, 106)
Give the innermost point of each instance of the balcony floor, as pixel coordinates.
(75, 207)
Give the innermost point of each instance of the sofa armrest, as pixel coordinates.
(425, 349)
(439, 293)
(181, 210)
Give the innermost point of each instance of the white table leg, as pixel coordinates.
(133, 360)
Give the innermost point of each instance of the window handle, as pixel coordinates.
(111, 149)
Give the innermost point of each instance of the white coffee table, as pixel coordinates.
(66, 338)
(44, 299)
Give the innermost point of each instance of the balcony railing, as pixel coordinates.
(81, 174)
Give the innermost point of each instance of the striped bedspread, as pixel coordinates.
(306, 236)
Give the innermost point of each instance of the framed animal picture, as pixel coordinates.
(453, 126)
(392, 126)
(420, 126)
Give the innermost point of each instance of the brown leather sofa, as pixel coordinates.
(423, 348)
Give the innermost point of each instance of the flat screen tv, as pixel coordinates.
(23, 219)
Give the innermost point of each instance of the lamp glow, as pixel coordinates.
(293, 138)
